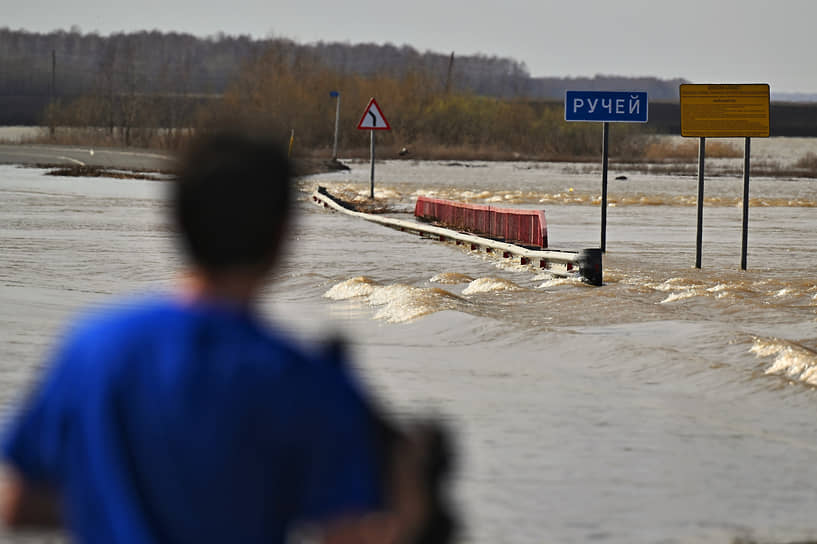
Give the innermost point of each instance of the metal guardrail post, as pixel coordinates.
(590, 267)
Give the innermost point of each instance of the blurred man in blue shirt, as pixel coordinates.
(184, 418)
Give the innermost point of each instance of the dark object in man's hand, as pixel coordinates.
(416, 462)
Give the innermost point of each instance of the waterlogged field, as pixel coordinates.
(670, 405)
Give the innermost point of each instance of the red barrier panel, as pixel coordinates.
(514, 226)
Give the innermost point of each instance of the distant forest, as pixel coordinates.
(71, 63)
(150, 88)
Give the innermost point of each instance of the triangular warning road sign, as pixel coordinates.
(373, 118)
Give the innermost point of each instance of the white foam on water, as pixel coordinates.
(671, 284)
(359, 286)
(791, 360)
(396, 303)
(390, 293)
(681, 295)
(489, 285)
(555, 282)
(451, 278)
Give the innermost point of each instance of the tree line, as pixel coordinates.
(176, 62)
(153, 88)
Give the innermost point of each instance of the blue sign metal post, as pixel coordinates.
(606, 107)
(605, 147)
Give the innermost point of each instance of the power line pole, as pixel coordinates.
(53, 73)
(53, 91)
(336, 96)
(448, 76)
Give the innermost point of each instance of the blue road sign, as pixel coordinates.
(606, 106)
(334, 94)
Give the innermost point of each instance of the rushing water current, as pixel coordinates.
(670, 405)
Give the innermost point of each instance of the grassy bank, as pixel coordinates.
(658, 155)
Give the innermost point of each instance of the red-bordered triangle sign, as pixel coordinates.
(373, 118)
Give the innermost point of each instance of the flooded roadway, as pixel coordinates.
(670, 405)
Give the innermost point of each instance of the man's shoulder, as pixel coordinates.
(317, 361)
(129, 315)
(170, 332)
(162, 319)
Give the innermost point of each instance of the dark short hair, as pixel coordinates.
(231, 199)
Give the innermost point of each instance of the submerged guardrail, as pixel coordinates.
(586, 263)
(515, 226)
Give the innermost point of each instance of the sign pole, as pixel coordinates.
(604, 152)
(700, 235)
(373, 119)
(606, 107)
(371, 176)
(745, 237)
(725, 111)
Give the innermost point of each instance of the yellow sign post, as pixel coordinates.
(724, 111)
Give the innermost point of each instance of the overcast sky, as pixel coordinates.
(724, 41)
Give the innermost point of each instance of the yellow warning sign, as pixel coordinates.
(725, 111)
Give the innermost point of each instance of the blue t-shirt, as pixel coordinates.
(173, 423)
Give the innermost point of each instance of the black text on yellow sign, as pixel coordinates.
(725, 111)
